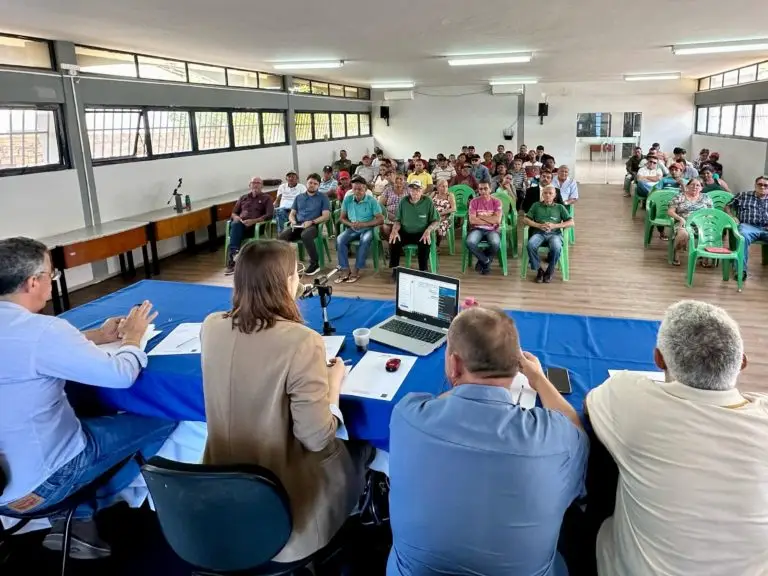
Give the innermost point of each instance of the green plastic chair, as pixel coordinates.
(466, 255)
(636, 200)
(375, 244)
(720, 198)
(411, 250)
(321, 243)
(571, 232)
(705, 230)
(563, 264)
(258, 234)
(656, 214)
(463, 194)
(510, 218)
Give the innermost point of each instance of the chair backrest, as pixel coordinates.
(658, 202)
(720, 198)
(506, 202)
(710, 225)
(463, 194)
(219, 518)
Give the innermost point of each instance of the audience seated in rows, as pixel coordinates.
(690, 454)
(309, 210)
(271, 399)
(445, 204)
(750, 209)
(365, 171)
(360, 213)
(542, 156)
(546, 220)
(47, 451)
(382, 180)
(675, 178)
(479, 485)
(390, 200)
(479, 171)
(415, 220)
(251, 209)
(328, 184)
(466, 177)
(444, 170)
(710, 183)
(680, 208)
(688, 169)
(485, 215)
(342, 164)
(533, 193)
(286, 194)
(660, 161)
(567, 186)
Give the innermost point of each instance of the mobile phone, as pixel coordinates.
(561, 379)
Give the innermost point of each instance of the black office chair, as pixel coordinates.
(85, 495)
(223, 519)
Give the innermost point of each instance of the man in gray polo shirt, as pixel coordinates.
(309, 210)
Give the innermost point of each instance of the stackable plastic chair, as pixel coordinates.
(706, 229)
(563, 264)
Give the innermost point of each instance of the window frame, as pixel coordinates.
(329, 114)
(739, 82)
(144, 134)
(51, 54)
(752, 104)
(65, 162)
(328, 85)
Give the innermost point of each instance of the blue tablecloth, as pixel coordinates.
(171, 386)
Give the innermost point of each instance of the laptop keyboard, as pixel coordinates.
(412, 331)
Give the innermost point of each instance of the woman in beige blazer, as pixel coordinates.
(268, 397)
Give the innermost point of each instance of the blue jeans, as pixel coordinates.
(751, 234)
(493, 239)
(237, 230)
(551, 240)
(364, 236)
(643, 188)
(282, 217)
(108, 440)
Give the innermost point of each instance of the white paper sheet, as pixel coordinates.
(370, 379)
(113, 347)
(655, 376)
(522, 393)
(184, 339)
(332, 346)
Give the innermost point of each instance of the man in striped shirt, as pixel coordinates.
(443, 170)
(751, 211)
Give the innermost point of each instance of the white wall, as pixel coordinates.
(667, 108)
(444, 121)
(312, 157)
(742, 160)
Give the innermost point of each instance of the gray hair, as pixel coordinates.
(701, 345)
(20, 259)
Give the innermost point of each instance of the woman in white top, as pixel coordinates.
(381, 181)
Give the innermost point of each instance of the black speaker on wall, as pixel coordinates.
(384, 112)
(543, 109)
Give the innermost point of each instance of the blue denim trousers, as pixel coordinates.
(551, 240)
(364, 236)
(493, 239)
(108, 440)
(281, 214)
(751, 234)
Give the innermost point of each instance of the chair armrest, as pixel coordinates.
(525, 233)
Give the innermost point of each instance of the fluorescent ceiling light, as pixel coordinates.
(308, 65)
(392, 85)
(720, 47)
(480, 60)
(641, 77)
(512, 81)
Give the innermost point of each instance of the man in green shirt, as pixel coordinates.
(343, 164)
(415, 220)
(546, 220)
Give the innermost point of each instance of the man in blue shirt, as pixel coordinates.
(329, 184)
(309, 209)
(478, 484)
(46, 452)
(479, 171)
(360, 213)
(750, 209)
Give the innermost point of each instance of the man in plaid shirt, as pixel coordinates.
(751, 211)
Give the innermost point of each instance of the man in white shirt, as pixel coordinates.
(647, 176)
(443, 170)
(286, 194)
(364, 170)
(569, 189)
(691, 496)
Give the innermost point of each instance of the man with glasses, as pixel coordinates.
(647, 176)
(48, 453)
(751, 211)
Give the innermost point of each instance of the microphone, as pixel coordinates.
(174, 193)
(308, 290)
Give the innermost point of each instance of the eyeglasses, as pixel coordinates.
(762, 184)
(53, 275)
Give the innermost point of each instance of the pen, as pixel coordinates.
(332, 362)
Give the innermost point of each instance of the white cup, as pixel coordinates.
(361, 336)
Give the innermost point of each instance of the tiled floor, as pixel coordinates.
(600, 172)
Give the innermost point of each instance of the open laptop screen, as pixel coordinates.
(427, 298)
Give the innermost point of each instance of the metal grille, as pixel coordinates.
(115, 133)
(338, 126)
(274, 127)
(28, 137)
(365, 124)
(352, 127)
(246, 125)
(303, 127)
(212, 130)
(169, 131)
(322, 125)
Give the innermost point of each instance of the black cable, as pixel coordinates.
(340, 316)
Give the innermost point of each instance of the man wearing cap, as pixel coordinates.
(360, 213)
(365, 171)
(688, 170)
(250, 209)
(329, 184)
(309, 210)
(500, 157)
(419, 175)
(342, 164)
(480, 172)
(443, 170)
(286, 194)
(465, 177)
(415, 220)
(344, 185)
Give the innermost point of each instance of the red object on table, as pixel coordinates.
(392, 364)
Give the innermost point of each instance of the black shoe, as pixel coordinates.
(85, 544)
(743, 275)
(478, 266)
(547, 278)
(486, 269)
(312, 270)
(540, 276)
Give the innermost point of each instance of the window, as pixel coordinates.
(593, 125)
(336, 90)
(365, 124)
(212, 130)
(95, 61)
(270, 81)
(242, 78)
(701, 120)
(29, 138)
(301, 86)
(350, 92)
(202, 74)
(246, 127)
(743, 120)
(727, 117)
(274, 127)
(761, 121)
(303, 126)
(364, 93)
(352, 126)
(762, 71)
(731, 78)
(115, 133)
(748, 74)
(17, 51)
(161, 69)
(169, 131)
(713, 125)
(338, 126)
(716, 81)
(320, 88)
(704, 83)
(322, 121)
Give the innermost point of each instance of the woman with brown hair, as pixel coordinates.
(269, 396)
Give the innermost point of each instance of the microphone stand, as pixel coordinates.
(324, 291)
(179, 206)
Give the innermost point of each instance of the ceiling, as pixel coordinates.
(588, 40)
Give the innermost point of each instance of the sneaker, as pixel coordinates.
(540, 276)
(85, 543)
(312, 270)
(478, 266)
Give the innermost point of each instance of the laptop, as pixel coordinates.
(425, 306)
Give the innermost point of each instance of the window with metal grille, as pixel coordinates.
(27, 52)
(212, 130)
(338, 126)
(761, 121)
(727, 119)
(322, 121)
(301, 86)
(743, 120)
(701, 119)
(303, 126)
(28, 138)
(320, 88)
(246, 126)
(116, 133)
(713, 125)
(169, 131)
(274, 127)
(352, 126)
(365, 124)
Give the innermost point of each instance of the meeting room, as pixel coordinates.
(400, 289)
